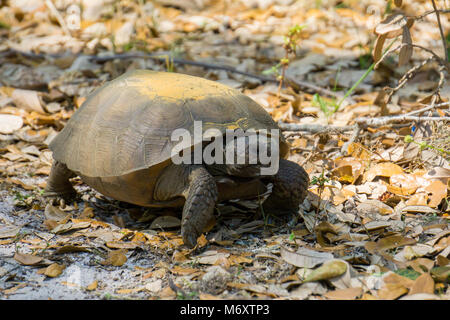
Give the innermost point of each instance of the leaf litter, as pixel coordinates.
(375, 224)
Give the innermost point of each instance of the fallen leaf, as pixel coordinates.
(344, 294)
(383, 169)
(154, 286)
(164, 222)
(10, 123)
(54, 270)
(441, 274)
(115, 258)
(27, 99)
(329, 269)
(392, 291)
(373, 206)
(8, 231)
(55, 213)
(423, 284)
(27, 259)
(211, 256)
(121, 245)
(437, 191)
(93, 286)
(304, 258)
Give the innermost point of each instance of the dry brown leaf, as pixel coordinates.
(384, 169)
(27, 99)
(115, 258)
(164, 222)
(167, 293)
(238, 259)
(8, 231)
(88, 212)
(304, 258)
(121, 245)
(392, 291)
(378, 48)
(393, 25)
(55, 213)
(207, 296)
(373, 206)
(394, 241)
(27, 259)
(407, 50)
(344, 294)
(437, 192)
(211, 256)
(54, 270)
(250, 287)
(93, 286)
(423, 284)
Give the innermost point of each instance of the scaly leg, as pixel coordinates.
(198, 211)
(58, 184)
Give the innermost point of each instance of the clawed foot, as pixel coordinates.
(60, 198)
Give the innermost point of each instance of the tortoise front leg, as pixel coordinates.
(290, 187)
(198, 211)
(58, 184)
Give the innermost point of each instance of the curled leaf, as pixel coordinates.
(378, 48)
(407, 50)
(393, 25)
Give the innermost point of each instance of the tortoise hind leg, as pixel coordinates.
(58, 184)
(198, 211)
(290, 187)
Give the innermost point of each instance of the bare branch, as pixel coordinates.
(440, 30)
(313, 128)
(381, 121)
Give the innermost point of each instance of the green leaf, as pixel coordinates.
(408, 273)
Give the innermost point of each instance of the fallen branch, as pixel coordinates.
(163, 57)
(313, 128)
(381, 121)
(301, 85)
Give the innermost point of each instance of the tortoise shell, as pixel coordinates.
(125, 125)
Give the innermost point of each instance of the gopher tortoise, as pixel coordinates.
(119, 143)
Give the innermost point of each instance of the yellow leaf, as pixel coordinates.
(437, 191)
(93, 286)
(54, 270)
(384, 169)
(115, 258)
(330, 269)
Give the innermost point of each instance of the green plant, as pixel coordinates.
(291, 40)
(320, 181)
(423, 145)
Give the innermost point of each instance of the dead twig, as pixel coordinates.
(444, 41)
(356, 132)
(313, 128)
(381, 121)
(58, 16)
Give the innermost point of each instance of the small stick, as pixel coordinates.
(440, 30)
(57, 15)
(381, 121)
(312, 128)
